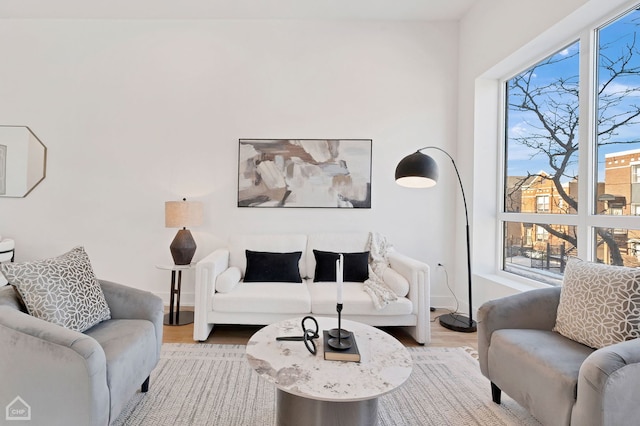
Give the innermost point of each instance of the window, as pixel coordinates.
(541, 234)
(542, 203)
(548, 144)
(537, 254)
(635, 173)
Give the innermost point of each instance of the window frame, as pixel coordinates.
(587, 219)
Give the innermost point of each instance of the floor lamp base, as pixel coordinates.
(457, 322)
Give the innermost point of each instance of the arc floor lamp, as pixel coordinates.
(418, 170)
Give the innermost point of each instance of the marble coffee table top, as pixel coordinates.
(385, 363)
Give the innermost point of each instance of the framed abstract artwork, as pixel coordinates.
(325, 173)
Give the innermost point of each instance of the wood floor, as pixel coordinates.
(240, 334)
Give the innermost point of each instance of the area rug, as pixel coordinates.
(207, 384)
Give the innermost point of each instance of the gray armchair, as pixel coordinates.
(71, 378)
(559, 381)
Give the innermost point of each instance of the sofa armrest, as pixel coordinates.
(534, 309)
(132, 303)
(207, 270)
(60, 373)
(607, 386)
(418, 275)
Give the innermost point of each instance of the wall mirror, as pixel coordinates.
(23, 159)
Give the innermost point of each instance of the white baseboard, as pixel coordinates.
(446, 302)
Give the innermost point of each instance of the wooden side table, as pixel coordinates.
(175, 315)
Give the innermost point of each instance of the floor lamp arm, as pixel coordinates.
(466, 217)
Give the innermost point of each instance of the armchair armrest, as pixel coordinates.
(53, 369)
(207, 270)
(418, 275)
(132, 303)
(534, 309)
(607, 386)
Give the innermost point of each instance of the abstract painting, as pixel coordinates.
(304, 173)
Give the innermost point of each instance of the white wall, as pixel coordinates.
(16, 141)
(135, 113)
(497, 39)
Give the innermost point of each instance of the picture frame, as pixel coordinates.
(304, 173)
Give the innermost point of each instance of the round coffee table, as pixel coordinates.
(312, 391)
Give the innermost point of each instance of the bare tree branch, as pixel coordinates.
(552, 122)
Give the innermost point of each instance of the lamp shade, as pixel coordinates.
(417, 170)
(180, 214)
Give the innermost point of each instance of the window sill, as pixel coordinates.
(512, 282)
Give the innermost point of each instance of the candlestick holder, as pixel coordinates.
(339, 332)
(340, 340)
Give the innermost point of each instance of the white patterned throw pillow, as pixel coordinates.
(63, 290)
(599, 304)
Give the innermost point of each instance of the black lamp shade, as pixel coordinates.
(417, 170)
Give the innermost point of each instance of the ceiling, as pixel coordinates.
(420, 10)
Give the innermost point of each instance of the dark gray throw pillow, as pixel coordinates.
(272, 267)
(356, 266)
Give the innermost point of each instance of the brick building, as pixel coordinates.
(622, 197)
(536, 194)
(622, 182)
(619, 194)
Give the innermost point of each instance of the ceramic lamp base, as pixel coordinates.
(183, 247)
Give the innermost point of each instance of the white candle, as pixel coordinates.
(339, 277)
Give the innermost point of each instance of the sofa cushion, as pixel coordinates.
(336, 242)
(281, 243)
(227, 280)
(524, 363)
(356, 301)
(396, 282)
(599, 304)
(130, 350)
(356, 266)
(63, 290)
(272, 267)
(276, 298)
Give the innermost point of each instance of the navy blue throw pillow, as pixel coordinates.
(272, 267)
(356, 266)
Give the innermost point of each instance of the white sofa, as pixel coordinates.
(220, 300)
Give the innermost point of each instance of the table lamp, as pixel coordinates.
(180, 214)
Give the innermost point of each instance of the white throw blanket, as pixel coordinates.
(378, 263)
